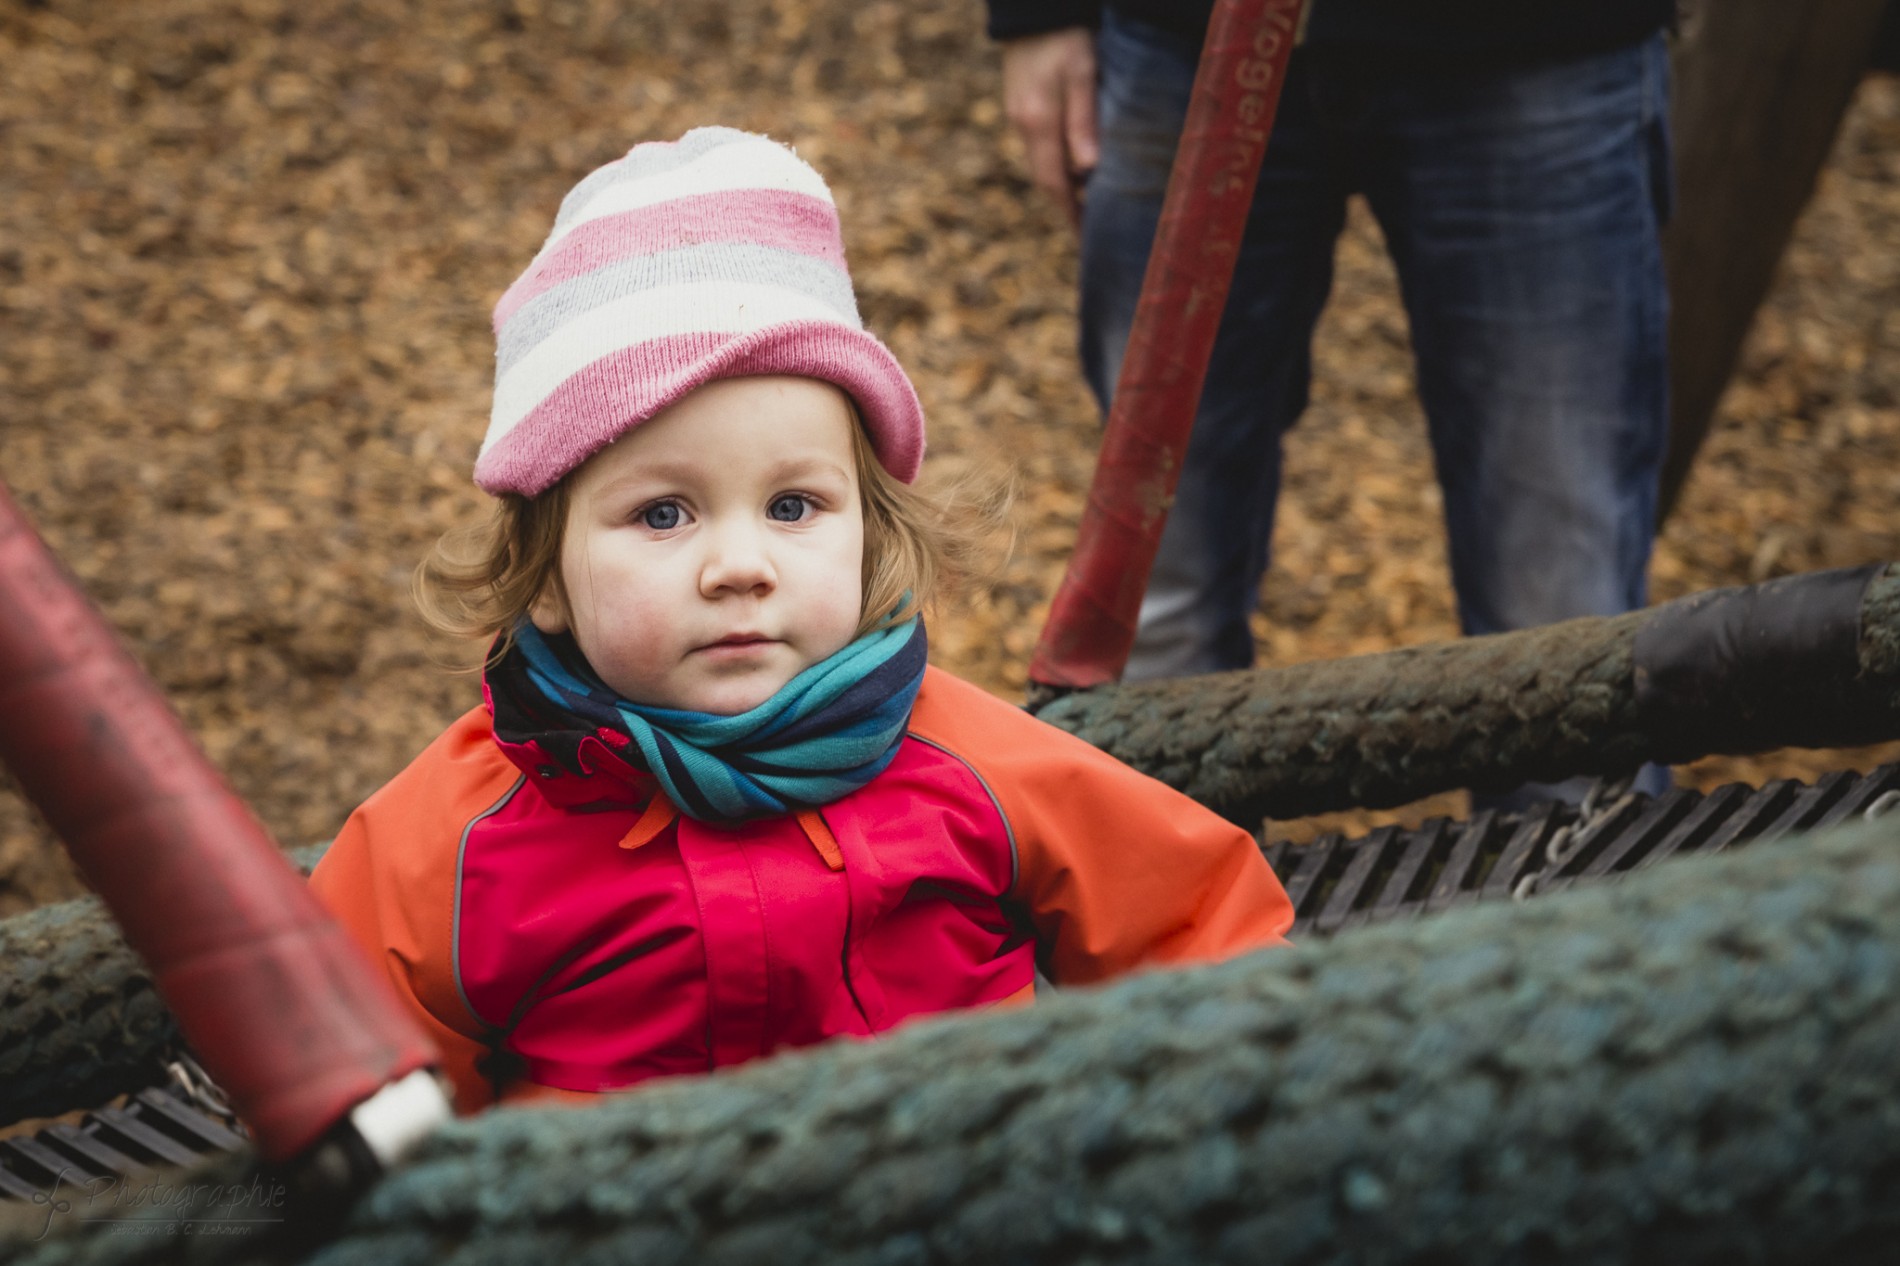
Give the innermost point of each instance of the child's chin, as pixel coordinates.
(730, 698)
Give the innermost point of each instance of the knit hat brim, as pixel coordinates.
(602, 401)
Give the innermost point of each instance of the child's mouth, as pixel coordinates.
(736, 645)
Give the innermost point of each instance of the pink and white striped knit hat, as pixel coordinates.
(714, 256)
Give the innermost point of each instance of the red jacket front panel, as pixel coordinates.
(601, 965)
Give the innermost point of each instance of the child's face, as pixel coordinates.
(714, 551)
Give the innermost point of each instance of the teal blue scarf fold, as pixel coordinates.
(827, 731)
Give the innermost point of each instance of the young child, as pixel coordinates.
(715, 804)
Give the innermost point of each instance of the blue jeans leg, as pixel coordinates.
(1523, 209)
(1205, 584)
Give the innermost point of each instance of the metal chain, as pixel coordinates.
(195, 1086)
(1606, 798)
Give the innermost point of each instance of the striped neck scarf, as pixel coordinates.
(827, 731)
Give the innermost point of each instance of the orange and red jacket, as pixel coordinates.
(574, 932)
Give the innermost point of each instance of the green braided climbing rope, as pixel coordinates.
(80, 1020)
(1493, 712)
(1695, 1065)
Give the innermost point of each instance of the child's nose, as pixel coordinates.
(737, 561)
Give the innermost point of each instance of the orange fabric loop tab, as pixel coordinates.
(821, 837)
(658, 816)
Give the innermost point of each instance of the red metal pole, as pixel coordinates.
(285, 1014)
(1237, 86)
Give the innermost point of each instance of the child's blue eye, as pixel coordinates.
(789, 508)
(661, 516)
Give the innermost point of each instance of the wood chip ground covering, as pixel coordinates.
(248, 249)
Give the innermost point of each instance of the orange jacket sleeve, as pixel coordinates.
(389, 879)
(1117, 870)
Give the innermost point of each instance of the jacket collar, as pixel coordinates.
(605, 779)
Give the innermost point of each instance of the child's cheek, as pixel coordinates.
(634, 666)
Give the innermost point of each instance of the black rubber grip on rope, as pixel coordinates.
(1758, 652)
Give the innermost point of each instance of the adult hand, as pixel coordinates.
(1049, 94)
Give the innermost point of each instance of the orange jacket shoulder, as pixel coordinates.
(390, 880)
(1117, 870)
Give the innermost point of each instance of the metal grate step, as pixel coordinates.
(156, 1128)
(1393, 873)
